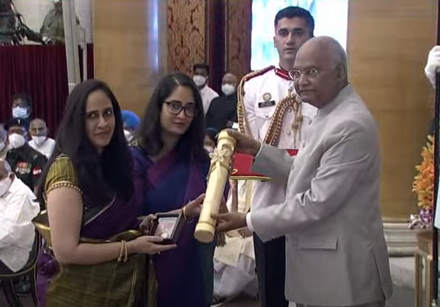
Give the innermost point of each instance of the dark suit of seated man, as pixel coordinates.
(26, 162)
(222, 112)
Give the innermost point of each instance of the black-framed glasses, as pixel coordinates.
(175, 107)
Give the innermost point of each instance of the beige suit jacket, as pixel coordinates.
(336, 253)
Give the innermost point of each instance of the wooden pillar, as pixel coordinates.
(130, 42)
(388, 43)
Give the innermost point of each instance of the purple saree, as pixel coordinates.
(184, 275)
(99, 224)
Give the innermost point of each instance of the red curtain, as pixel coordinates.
(228, 38)
(41, 72)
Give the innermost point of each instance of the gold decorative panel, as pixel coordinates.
(238, 26)
(186, 34)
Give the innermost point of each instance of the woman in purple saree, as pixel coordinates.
(93, 254)
(171, 166)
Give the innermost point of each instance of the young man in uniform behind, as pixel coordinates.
(270, 111)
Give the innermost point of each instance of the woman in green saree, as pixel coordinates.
(93, 253)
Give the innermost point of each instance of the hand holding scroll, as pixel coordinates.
(230, 221)
(245, 144)
(193, 208)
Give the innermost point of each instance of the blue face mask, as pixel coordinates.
(20, 112)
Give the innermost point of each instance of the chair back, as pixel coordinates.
(31, 263)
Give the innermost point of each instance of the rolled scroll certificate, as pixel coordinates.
(221, 160)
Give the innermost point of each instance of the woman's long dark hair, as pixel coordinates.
(100, 176)
(149, 134)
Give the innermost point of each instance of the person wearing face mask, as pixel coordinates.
(200, 78)
(131, 123)
(222, 112)
(210, 141)
(40, 141)
(17, 209)
(22, 107)
(4, 145)
(26, 162)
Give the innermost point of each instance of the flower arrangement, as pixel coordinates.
(423, 186)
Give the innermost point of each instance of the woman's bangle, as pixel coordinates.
(121, 251)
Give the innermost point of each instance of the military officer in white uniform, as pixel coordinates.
(270, 111)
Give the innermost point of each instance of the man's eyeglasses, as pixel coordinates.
(175, 107)
(310, 73)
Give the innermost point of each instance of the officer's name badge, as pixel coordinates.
(267, 102)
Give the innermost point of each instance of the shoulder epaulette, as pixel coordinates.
(241, 112)
(256, 73)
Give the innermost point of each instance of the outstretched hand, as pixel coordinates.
(193, 208)
(149, 245)
(230, 221)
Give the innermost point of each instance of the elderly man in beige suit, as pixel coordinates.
(336, 253)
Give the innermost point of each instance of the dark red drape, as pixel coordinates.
(228, 38)
(41, 72)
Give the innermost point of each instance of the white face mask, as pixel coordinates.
(5, 184)
(39, 140)
(16, 140)
(228, 89)
(20, 112)
(199, 80)
(128, 136)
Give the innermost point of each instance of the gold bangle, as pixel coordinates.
(184, 214)
(121, 251)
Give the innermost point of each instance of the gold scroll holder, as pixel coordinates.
(221, 161)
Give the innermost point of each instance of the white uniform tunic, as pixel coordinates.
(262, 94)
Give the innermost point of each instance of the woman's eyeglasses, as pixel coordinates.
(175, 107)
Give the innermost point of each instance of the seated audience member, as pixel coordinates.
(26, 162)
(17, 210)
(4, 144)
(22, 107)
(200, 78)
(40, 140)
(210, 141)
(222, 112)
(131, 123)
(234, 263)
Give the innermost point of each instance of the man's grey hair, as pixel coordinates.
(6, 165)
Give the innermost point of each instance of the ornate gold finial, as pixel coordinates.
(221, 161)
